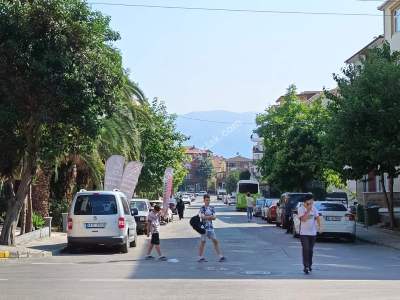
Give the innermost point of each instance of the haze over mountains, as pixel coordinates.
(223, 132)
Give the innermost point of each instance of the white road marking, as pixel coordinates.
(3, 279)
(50, 263)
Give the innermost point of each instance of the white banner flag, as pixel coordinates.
(168, 177)
(114, 171)
(130, 178)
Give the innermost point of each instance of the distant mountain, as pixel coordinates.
(223, 132)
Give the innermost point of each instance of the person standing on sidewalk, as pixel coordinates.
(207, 215)
(250, 207)
(153, 228)
(180, 207)
(309, 220)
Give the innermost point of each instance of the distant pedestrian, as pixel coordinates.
(250, 207)
(180, 207)
(309, 220)
(207, 215)
(153, 228)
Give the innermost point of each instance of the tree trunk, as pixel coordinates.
(22, 217)
(389, 204)
(41, 192)
(16, 202)
(29, 210)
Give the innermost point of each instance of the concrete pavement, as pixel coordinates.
(262, 262)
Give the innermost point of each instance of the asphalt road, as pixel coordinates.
(262, 262)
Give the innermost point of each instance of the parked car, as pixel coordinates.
(286, 204)
(143, 208)
(268, 211)
(186, 199)
(101, 218)
(201, 193)
(336, 220)
(231, 200)
(259, 204)
(221, 193)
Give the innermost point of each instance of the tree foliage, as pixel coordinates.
(161, 147)
(292, 135)
(60, 79)
(232, 180)
(364, 129)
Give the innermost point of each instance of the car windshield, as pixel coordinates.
(330, 207)
(95, 204)
(140, 205)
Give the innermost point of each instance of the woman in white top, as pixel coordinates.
(309, 220)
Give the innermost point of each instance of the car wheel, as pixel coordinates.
(125, 247)
(352, 239)
(71, 247)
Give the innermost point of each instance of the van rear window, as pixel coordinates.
(95, 205)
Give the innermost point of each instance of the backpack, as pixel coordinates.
(197, 225)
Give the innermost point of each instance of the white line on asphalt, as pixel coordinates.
(3, 279)
(50, 263)
(106, 280)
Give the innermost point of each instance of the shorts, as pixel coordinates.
(209, 234)
(155, 238)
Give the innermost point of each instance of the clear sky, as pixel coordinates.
(196, 60)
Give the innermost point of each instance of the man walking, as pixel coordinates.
(309, 219)
(250, 207)
(207, 215)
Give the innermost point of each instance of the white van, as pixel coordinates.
(101, 218)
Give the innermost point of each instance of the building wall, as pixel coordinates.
(392, 37)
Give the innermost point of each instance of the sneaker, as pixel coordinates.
(305, 271)
(149, 257)
(202, 260)
(162, 258)
(222, 259)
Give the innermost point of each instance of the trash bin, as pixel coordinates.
(373, 215)
(64, 221)
(360, 213)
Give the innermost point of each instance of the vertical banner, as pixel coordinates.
(114, 171)
(168, 176)
(130, 178)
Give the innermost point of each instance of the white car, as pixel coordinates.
(140, 209)
(186, 199)
(336, 220)
(101, 218)
(231, 200)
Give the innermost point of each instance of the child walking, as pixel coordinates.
(153, 228)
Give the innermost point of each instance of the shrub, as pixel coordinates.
(57, 207)
(37, 221)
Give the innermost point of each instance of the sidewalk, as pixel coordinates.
(379, 236)
(39, 248)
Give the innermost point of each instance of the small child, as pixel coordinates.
(153, 227)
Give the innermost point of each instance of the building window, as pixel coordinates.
(396, 20)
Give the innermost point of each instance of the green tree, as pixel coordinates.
(60, 78)
(245, 175)
(161, 147)
(363, 131)
(292, 135)
(231, 181)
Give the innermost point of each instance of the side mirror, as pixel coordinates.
(134, 212)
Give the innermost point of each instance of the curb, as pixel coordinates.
(23, 253)
(4, 254)
(377, 243)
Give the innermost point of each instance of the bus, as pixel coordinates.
(243, 187)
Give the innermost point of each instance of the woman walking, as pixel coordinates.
(180, 206)
(309, 220)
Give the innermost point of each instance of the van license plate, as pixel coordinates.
(333, 218)
(95, 225)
